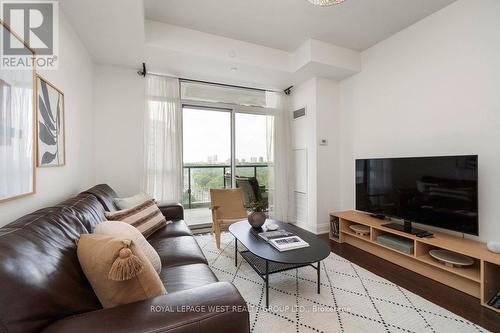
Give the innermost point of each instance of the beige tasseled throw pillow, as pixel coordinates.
(117, 270)
(146, 217)
(125, 230)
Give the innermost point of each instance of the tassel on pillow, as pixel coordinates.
(126, 266)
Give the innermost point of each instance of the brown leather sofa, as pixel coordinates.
(42, 286)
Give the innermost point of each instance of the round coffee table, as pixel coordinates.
(267, 260)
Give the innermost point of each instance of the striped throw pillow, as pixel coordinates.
(146, 217)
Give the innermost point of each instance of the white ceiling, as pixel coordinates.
(285, 24)
(272, 43)
(112, 30)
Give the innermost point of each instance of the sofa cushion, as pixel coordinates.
(41, 278)
(174, 229)
(184, 277)
(105, 194)
(86, 208)
(175, 251)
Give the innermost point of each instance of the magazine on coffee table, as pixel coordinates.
(280, 233)
(283, 240)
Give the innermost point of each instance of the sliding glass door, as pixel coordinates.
(206, 152)
(222, 148)
(252, 142)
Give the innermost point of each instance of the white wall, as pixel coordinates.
(432, 89)
(303, 137)
(320, 97)
(328, 157)
(119, 114)
(74, 78)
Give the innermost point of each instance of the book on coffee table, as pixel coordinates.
(280, 233)
(283, 240)
(288, 243)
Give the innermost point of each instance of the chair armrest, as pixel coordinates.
(214, 213)
(216, 307)
(172, 211)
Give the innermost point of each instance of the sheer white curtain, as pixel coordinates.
(163, 139)
(279, 155)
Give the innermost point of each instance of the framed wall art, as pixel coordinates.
(17, 127)
(51, 132)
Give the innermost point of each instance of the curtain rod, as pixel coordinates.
(144, 72)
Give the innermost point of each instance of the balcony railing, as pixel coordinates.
(200, 178)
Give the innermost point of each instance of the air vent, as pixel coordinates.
(299, 113)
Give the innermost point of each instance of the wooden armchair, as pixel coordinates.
(228, 206)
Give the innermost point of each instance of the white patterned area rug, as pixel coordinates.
(352, 299)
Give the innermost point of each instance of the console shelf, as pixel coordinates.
(481, 280)
(472, 272)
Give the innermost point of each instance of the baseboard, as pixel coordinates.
(322, 228)
(305, 227)
(315, 229)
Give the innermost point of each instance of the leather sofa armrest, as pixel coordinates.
(172, 211)
(216, 307)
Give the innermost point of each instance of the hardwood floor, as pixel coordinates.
(438, 293)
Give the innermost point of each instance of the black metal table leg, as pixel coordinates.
(319, 273)
(235, 251)
(267, 284)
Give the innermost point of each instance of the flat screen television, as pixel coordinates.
(437, 191)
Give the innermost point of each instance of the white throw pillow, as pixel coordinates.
(120, 229)
(125, 203)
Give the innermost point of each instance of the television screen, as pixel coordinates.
(437, 191)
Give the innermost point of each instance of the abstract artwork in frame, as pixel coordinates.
(51, 148)
(17, 127)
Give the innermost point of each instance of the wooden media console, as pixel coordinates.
(481, 280)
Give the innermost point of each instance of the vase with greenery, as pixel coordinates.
(257, 215)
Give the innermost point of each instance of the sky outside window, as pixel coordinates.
(207, 137)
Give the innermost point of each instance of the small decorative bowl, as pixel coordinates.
(272, 227)
(360, 229)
